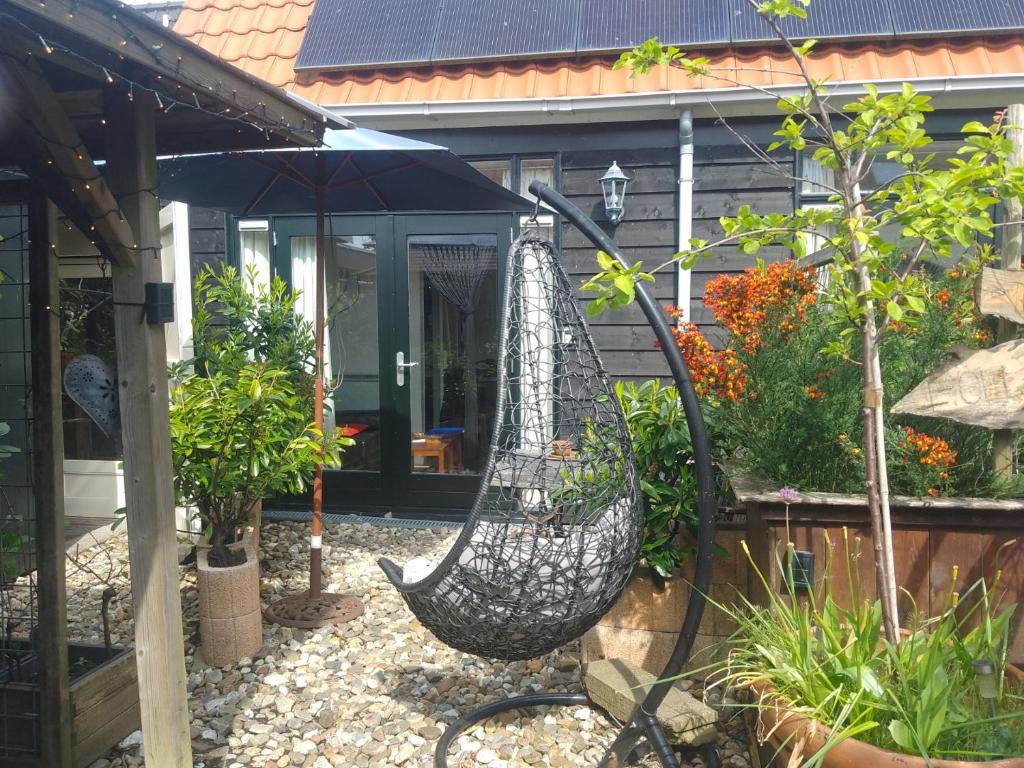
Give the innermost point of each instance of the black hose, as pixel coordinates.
(707, 502)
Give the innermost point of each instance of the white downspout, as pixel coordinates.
(685, 208)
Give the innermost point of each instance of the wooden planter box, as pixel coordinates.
(642, 627)
(930, 537)
(104, 706)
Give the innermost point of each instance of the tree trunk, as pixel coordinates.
(884, 577)
(221, 554)
(877, 479)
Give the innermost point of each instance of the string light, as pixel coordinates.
(113, 77)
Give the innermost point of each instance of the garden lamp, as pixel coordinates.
(613, 187)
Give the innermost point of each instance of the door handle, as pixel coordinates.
(400, 366)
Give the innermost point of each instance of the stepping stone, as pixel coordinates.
(617, 686)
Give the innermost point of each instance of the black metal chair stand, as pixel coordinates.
(643, 725)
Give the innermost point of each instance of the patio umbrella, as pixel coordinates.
(355, 171)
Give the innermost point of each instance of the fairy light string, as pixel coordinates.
(255, 117)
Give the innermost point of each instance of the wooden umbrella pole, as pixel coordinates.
(316, 528)
(316, 608)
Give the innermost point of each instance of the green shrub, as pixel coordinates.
(663, 452)
(799, 423)
(242, 423)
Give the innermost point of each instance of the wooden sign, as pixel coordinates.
(1001, 293)
(983, 387)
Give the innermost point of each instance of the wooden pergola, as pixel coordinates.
(80, 81)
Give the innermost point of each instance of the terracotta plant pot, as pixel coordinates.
(797, 739)
(230, 620)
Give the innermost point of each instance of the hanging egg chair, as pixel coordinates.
(556, 527)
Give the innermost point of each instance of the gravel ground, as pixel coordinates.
(376, 692)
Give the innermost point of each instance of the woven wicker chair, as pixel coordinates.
(555, 531)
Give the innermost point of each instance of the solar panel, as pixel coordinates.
(353, 33)
(825, 19)
(922, 16)
(621, 24)
(474, 29)
(363, 32)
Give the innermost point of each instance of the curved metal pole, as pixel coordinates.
(488, 711)
(643, 722)
(644, 716)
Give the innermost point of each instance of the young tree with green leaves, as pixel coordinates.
(242, 409)
(877, 238)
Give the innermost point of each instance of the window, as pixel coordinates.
(254, 249)
(517, 173)
(817, 182)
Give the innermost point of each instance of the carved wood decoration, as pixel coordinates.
(982, 387)
(1000, 293)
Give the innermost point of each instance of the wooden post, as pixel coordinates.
(1003, 439)
(149, 492)
(48, 489)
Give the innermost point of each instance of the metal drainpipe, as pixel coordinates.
(685, 208)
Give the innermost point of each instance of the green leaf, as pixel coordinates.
(903, 736)
(894, 310)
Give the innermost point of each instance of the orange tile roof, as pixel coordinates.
(263, 37)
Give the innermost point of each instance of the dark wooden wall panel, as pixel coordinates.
(207, 239)
(725, 178)
(647, 234)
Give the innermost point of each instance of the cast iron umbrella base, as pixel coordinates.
(305, 611)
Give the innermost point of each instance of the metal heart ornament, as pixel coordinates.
(91, 383)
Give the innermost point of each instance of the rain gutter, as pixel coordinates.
(698, 100)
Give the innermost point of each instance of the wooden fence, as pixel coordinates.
(941, 546)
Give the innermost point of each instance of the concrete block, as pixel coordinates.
(617, 686)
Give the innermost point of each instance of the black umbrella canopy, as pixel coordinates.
(358, 170)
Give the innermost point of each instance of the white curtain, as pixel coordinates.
(536, 343)
(256, 255)
(304, 280)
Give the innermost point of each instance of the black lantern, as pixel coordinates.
(613, 187)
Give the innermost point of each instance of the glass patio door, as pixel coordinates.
(449, 272)
(357, 305)
(413, 315)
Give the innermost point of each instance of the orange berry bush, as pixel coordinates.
(779, 406)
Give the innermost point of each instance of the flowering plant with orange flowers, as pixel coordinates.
(927, 458)
(762, 299)
(780, 409)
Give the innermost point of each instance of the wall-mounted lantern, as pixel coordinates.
(613, 187)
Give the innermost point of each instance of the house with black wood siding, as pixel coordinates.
(527, 90)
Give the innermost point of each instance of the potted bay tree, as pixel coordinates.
(242, 430)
